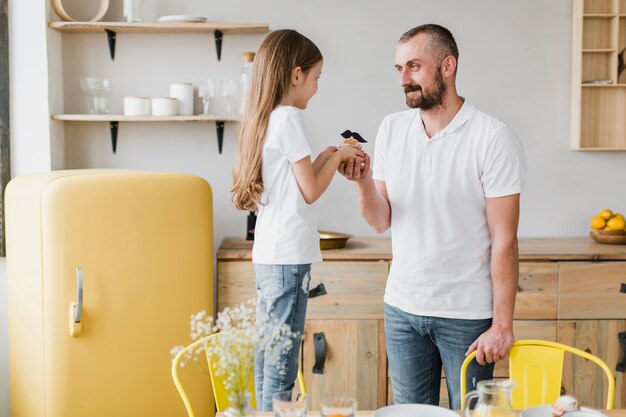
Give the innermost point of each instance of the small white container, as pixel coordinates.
(164, 106)
(184, 93)
(136, 106)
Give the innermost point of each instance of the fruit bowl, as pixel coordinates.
(609, 236)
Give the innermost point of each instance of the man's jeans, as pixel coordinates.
(417, 346)
(283, 293)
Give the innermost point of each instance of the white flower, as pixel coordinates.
(232, 353)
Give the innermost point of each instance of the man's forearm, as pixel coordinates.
(374, 208)
(505, 277)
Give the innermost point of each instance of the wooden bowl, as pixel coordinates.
(609, 236)
(333, 240)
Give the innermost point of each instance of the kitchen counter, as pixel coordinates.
(530, 249)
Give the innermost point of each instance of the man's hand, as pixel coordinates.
(354, 170)
(492, 345)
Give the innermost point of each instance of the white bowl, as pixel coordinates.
(544, 411)
(404, 410)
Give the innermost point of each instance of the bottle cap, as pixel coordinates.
(248, 56)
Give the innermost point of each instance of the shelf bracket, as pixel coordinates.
(111, 36)
(113, 126)
(219, 126)
(218, 43)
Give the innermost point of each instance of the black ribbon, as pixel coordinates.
(346, 134)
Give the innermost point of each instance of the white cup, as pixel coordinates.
(184, 93)
(164, 106)
(136, 106)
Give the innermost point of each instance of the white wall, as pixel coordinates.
(514, 63)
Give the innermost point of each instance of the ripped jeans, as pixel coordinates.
(283, 292)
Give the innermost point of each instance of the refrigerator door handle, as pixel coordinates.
(76, 307)
(79, 303)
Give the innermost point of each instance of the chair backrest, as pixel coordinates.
(536, 366)
(220, 394)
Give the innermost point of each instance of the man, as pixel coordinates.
(447, 180)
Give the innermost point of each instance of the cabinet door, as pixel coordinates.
(355, 363)
(592, 290)
(584, 379)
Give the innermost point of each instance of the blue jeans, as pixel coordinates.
(283, 293)
(417, 347)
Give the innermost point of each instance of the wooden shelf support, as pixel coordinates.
(111, 37)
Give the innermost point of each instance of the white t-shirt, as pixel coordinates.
(437, 189)
(286, 227)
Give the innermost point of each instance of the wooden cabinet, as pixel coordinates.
(598, 75)
(570, 291)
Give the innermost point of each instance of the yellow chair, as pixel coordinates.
(219, 392)
(536, 366)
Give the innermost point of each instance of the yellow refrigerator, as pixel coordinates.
(105, 268)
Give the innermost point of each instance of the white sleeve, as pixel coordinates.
(505, 166)
(380, 151)
(291, 139)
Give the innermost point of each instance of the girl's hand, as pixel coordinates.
(349, 154)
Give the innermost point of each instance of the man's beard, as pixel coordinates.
(429, 98)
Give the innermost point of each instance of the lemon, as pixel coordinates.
(619, 215)
(606, 213)
(616, 223)
(598, 222)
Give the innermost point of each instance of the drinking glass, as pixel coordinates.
(98, 89)
(338, 407)
(206, 90)
(290, 404)
(229, 89)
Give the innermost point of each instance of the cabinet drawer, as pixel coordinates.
(537, 291)
(235, 283)
(592, 290)
(353, 289)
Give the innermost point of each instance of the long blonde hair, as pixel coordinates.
(278, 55)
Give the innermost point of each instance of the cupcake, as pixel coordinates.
(564, 404)
(351, 139)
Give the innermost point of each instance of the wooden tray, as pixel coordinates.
(609, 236)
(333, 240)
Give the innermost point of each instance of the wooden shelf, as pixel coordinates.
(159, 27)
(113, 28)
(598, 51)
(123, 118)
(603, 85)
(598, 37)
(599, 15)
(115, 119)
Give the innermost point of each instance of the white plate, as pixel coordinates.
(404, 410)
(544, 411)
(182, 18)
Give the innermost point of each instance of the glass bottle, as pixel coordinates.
(494, 399)
(246, 73)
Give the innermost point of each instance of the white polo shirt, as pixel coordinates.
(286, 227)
(437, 189)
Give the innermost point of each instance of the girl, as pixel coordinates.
(274, 174)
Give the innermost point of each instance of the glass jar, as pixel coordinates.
(133, 10)
(494, 399)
